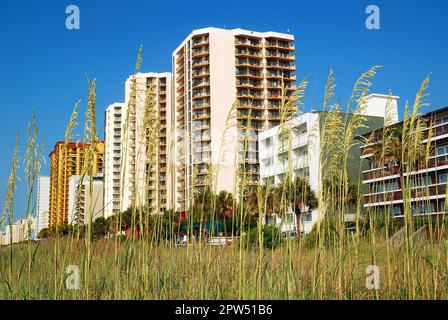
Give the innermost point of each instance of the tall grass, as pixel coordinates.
(329, 263)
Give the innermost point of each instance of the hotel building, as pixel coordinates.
(215, 70)
(305, 130)
(425, 180)
(127, 147)
(84, 205)
(43, 203)
(66, 161)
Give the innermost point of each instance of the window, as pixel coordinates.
(442, 150)
(308, 217)
(421, 181)
(441, 121)
(443, 178)
(385, 187)
(283, 157)
(396, 211)
(422, 208)
(289, 218)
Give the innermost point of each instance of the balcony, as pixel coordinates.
(416, 193)
(200, 105)
(284, 75)
(248, 53)
(248, 42)
(201, 94)
(180, 78)
(280, 85)
(246, 83)
(200, 83)
(199, 63)
(200, 73)
(433, 162)
(251, 63)
(280, 55)
(248, 73)
(249, 94)
(280, 44)
(199, 52)
(280, 65)
(253, 115)
(199, 116)
(199, 41)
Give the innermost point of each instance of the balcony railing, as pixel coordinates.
(247, 42)
(199, 41)
(280, 64)
(280, 44)
(248, 73)
(248, 52)
(416, 193)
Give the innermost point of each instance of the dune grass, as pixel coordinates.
(330, 263)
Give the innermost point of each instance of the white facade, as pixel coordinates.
(84, 205)
(126, 148)
(19, 231)
(113, 131)
(218, 76)
(376, 106)
(301, 158)
(43, 203)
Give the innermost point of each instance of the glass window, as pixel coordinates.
(421, 181)
(396, 211)
(442, 150)
(443, 178)
(308, 217)
(441, 121)
(289, 218)
(271, 221)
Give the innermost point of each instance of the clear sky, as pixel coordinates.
(43, 65)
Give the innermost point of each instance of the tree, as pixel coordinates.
(100, 227)
(301, 196)
(224, 207)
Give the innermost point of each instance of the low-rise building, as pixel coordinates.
(305, 130)
(21, 230)
(425, 179)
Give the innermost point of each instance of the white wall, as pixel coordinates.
(272, 167)
(43, 203)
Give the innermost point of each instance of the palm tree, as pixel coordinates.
(301, 196)
(224, 207)
(394, 149)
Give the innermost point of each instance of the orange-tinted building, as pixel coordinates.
(67, 160)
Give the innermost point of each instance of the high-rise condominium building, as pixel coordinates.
(43, 203)
(221, 79)
(136, 140)
(67, 160)
(85, 199)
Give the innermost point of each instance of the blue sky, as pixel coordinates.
(43, 65)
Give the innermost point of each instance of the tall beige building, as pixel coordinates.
(127, 146)
(214, 70)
